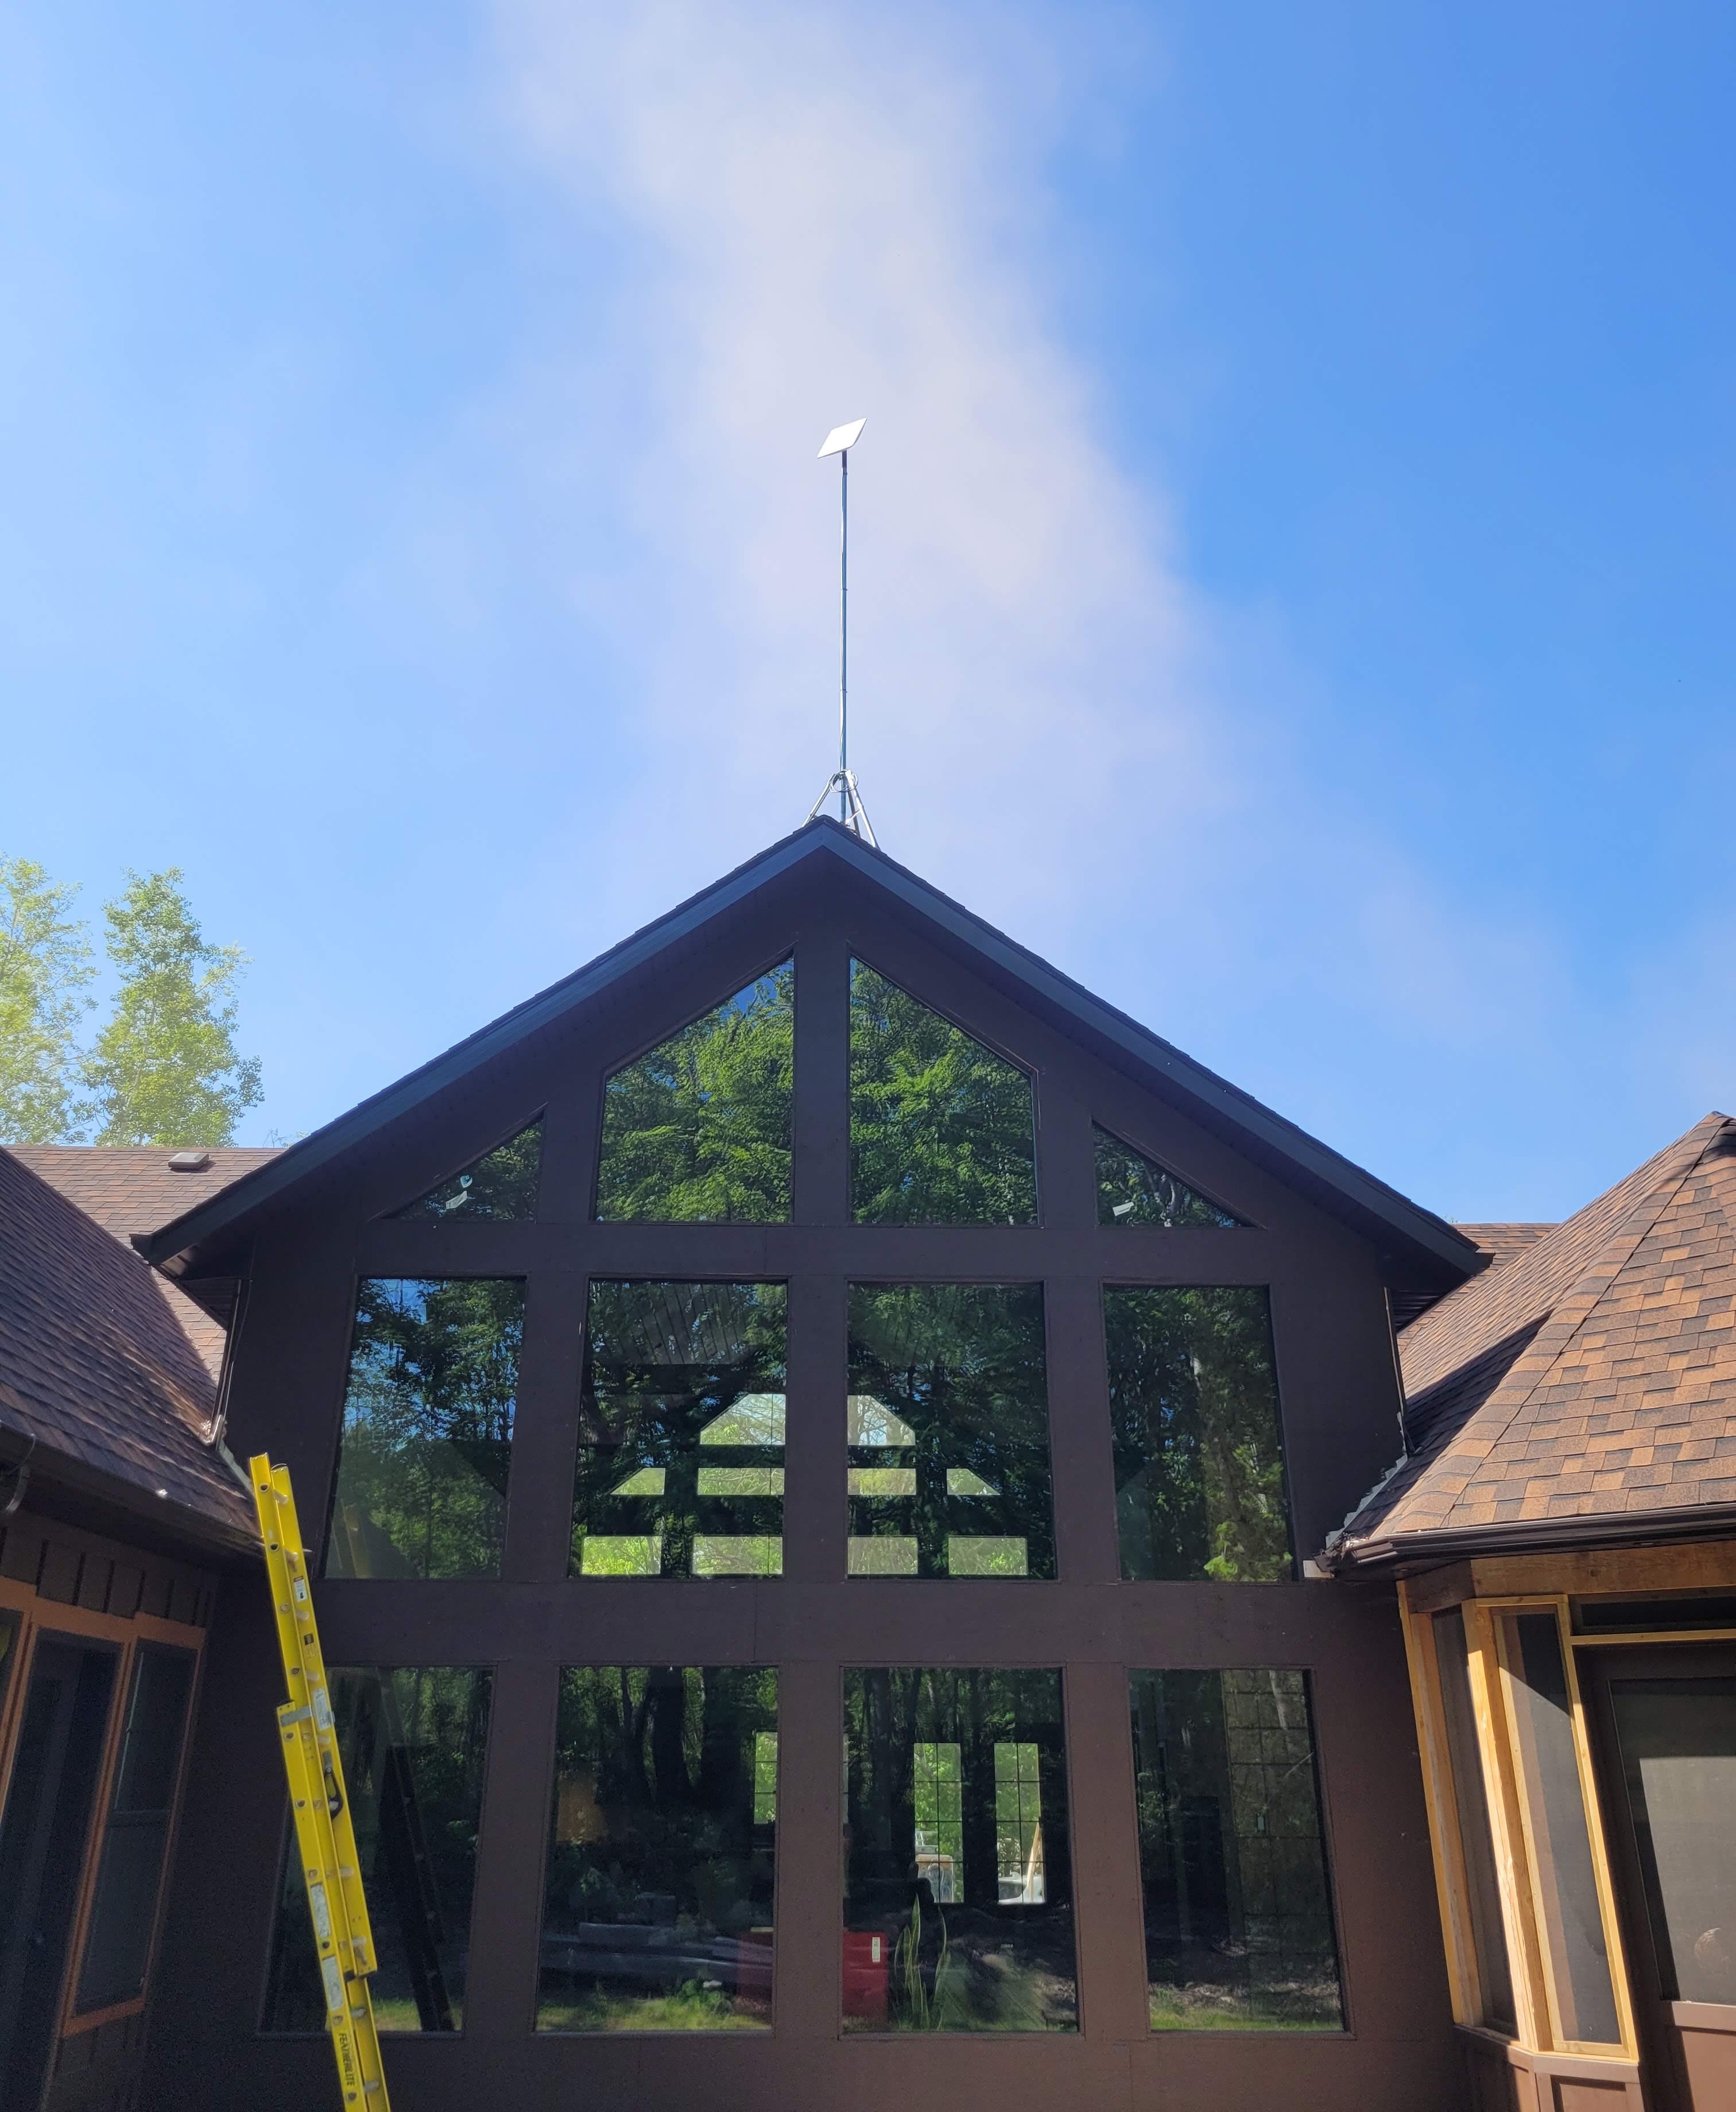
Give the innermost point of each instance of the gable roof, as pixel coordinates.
(130, 1189)
(1586, 1389)
(1419, 1242)
(101, 1388)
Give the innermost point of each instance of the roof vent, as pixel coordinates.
(189, 1162)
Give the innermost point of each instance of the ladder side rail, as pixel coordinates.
(308, 1685)
(349, 2009)
(319, 1801)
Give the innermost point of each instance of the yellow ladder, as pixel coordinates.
(317, 1797)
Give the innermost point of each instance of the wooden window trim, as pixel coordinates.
(1445, 1843)
(50, 1616)
(1536, 2004)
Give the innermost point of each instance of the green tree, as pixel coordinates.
(166, 1069)
(940, 1128)
(45, 962)
(699, 1128)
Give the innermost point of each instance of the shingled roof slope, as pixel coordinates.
(1593, 1378)
(96, 1371)
(1504, 1243)
(132, 1189)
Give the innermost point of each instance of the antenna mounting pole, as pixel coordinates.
(851, 812)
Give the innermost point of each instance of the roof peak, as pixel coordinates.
(1431, 1249)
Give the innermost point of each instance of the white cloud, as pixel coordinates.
(818, 214)
(832, 218)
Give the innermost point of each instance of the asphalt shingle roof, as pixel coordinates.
(131, 1189)
(1592, 1375)
(95, 1363)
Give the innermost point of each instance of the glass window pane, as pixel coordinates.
(1470, 1799)
(958, 1909)
(427, 1428)
(414, 1739)
(949, 1431)
(502, 1184)
(682, 1431)
(1678, 1740)
(123, 1911)
(698, 1130)
(1238, 1914)
(1199, 1452)
(657, 1909)
(942, 1130)
(1133, 1190)
(1563, 1879)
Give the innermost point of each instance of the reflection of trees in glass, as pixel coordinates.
(501, 1184)
(682, 1431)
(1238, 1915)
(699, 1128)
(414, 1739)
(657, 1910)
(1133, 1190)
(948, 1431)
(427, 1427)
(942, 1130)
(1199, 1454)
(956, 1859)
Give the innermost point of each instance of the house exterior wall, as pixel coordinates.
(1340, 1411)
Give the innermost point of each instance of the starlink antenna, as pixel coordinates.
(851, 812)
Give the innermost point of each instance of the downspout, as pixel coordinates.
(216, 1433)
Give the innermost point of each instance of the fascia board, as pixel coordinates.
(1148, 1051)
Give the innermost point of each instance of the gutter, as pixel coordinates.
(1528, 1537)
(168, 1516)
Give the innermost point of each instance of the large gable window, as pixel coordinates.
(942, 1130)
(958, 1905)
(427, 1435)
(414, 1739)
(681, 1467)
(1199, 1458)
(949, 1431)
(661, 1869)
(1238, 1918)
(501, 1184)
(1135, 1190)
(698, 1130)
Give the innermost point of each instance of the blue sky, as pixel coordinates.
(1292, 537)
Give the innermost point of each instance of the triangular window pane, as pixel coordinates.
(1133, 1190)
(699, 1131)
(502, 1183)
(942, 1130)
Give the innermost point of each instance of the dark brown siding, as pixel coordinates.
(1340, 1410)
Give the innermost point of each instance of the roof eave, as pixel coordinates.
(166, 1518)
(1400, 1553)
(1430, 1239)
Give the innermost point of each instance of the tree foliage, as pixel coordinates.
(428, 1427)
(942, 1130)
(699, 1129)
(166, 1069)
(45, 963)
(501, 1184)
(962, 1368)
(1198, 1455)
